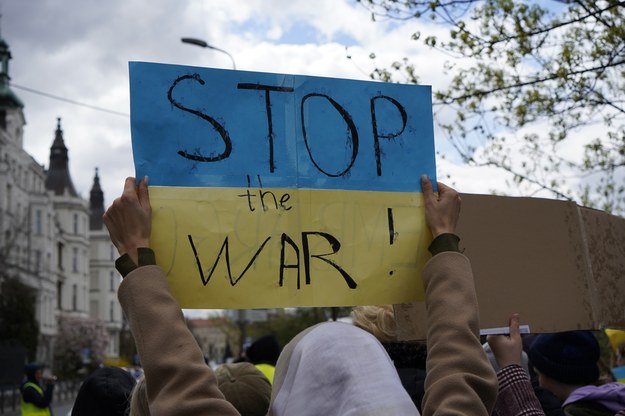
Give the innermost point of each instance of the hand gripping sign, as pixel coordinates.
(274, 190)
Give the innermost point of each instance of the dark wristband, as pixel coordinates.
(444, 242)
(125, 265)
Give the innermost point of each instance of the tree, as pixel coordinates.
(18, 319)
(17, 315)
(540, 71)
(80, 342)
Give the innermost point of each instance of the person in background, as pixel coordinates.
(408, 357)
(139, 405)
(245, 386)
(105, 392)
(36, 391)
(566, 364)
(459, 380)
(264, 353)
(337, 369)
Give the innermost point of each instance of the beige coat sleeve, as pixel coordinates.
(460, 380)
(178, 382)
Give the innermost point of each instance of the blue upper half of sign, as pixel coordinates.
(203, 127)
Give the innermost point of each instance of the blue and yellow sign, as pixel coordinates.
(273, 190)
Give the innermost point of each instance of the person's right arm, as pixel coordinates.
(460, 379)
(178, 381)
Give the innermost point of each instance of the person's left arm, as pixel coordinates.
(516, 395)
(177, 379)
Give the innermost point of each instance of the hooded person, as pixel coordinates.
(264, 353)
(105, 392)
(336, 368)
(35, 400)
(566, 364)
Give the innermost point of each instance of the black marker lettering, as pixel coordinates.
(286, 239)
(218, 127)
(391, 227)
(350, 124)
(224, 246)
(270, 135)
(335, 244)
(376, 133)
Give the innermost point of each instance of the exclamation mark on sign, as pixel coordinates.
(391, 227)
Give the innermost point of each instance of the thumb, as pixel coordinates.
(514, 326)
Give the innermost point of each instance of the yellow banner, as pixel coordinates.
(228, 248)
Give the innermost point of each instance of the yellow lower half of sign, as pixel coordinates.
(229, 248)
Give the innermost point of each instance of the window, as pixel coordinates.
(74, 297)
(112, 281)
(37, 260)
(112, 252)
(59, 255)
(75, 223)
(112, 311)
(38, 223)
(75, 260)
(59, 296)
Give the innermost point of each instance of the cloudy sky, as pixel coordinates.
(79, 50)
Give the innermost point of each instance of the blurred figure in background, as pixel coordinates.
(408, 357)
(566, 364)
(245, 386)
(36, 391)
(105, 392)
(264, 353)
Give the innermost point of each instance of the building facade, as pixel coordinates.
(51, 238)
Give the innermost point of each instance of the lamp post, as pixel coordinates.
(203, 44)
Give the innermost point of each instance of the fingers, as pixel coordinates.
(426, 186)
(129, 185)
(143, 194)
(515, 326)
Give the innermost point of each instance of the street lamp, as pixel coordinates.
(203, 44)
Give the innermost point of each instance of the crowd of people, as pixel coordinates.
(339, 368)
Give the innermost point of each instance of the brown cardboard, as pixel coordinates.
(560, 266)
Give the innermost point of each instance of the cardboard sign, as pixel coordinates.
(274, 190)
(561, 266)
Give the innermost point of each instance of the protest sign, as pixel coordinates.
(273, 190)
(559, 265)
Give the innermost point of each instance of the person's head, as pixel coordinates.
(33, 372)
(105, 392)
(245, 387)
(265, 350)
(334, 366)
(565, 360)
(139, 400)
(378, 320)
